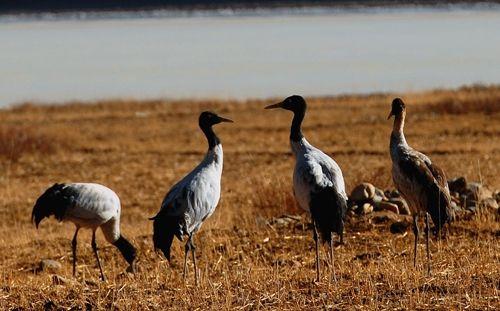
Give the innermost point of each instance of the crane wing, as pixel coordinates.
(420, 169)
(328, 170)
(175, 203)
(429, 184)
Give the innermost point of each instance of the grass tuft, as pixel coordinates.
(274, 197)
(15, 141)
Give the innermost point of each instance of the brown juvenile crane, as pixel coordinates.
(422, 183)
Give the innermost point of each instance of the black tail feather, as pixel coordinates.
(328, 210)
(164, 229)
(53, 201)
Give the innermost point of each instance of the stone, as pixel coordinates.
(379, 196)
(392, 194)
(489, 203)
(280, 222)
(49, 306)
(458, 185)
(367, 256)
(400, 227)
(455, 197)
(472, 206)
(455, 206)
(59, 280)
(284, 221)
(463, 201)
(464, 214)
(496, 195)
(351, 212)
(387, 206)
(384, 216)
(294, 217)
(363, 192)
(403, 207)
(478, 192)
(49, 265)
(367, 208)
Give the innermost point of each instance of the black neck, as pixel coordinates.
(212, 139)
(128, 250)
(295, 131)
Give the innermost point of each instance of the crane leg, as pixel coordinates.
(416, 233)
(331, 251)
(427, 233)
(193, 250)
(187, 248)
(315, 237)
(94, 248)
(73, 248)
(332, 260)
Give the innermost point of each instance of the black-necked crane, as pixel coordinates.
(193, 199)
(422, 183)
(318, 183)
(87, 205)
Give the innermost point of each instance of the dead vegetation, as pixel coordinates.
(251, 256)
(16, 141)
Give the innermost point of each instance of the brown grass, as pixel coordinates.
(248, 260)
(16, 141)
(478, 99)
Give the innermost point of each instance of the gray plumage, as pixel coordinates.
(421, 182)
(194, 198)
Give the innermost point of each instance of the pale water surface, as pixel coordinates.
(247, 56)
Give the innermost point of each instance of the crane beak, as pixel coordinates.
(274, 106)
(390, 115)
(221, 119)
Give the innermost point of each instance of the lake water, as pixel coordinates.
(244, 56)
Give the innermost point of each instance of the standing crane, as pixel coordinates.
(318, 183)
(193, 199)
(87, 205)
(422, 183)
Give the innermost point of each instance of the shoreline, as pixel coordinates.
(238, 9)
(493, 87)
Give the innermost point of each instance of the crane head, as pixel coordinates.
(398, 107)
(208, 118)
(295, 103)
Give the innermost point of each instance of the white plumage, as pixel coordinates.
(87, 205)
(194, 198)
(94, 205)
(313, 169)
(318, 183)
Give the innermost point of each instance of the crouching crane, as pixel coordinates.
(87, 205)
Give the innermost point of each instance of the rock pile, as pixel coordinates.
(380, 206)
(366, 198)
(466, 196)
(370, 204)
(473, 197)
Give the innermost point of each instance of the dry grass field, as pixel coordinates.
(247, 260)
